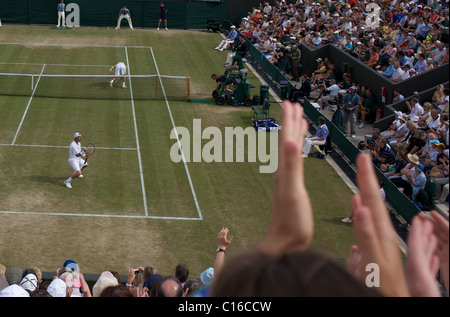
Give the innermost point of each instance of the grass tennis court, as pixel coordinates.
(134, 206)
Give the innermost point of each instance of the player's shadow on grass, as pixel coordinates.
(48, 179)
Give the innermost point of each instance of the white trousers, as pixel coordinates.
(230, 57)
(224, 44)
(123, 16)
(61, 18)
(309, 142)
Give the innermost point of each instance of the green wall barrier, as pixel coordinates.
(144, 13)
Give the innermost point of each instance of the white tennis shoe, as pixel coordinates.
(80, 176)
(68, 185)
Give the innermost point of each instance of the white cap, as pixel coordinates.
(76, 135)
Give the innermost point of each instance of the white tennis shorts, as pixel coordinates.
(121, 70)
(77, 163)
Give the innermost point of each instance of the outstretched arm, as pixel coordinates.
(222, 244)
(375, 234)
(292, 224)
(441, 230)
(423, 264)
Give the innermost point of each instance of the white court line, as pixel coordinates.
(71, 45)
(137, 136)
(66, 147)
(28, 106)
(178, 140)
(40, 64)
(92, 215)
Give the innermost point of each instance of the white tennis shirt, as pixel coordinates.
(74, 149)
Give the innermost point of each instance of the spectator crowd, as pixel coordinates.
(398, 38)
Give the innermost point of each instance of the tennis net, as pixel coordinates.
(95, 87)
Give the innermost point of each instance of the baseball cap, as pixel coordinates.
(71, 264)
(76, 135)
(435, 142)
(29, 282)
(353, 87)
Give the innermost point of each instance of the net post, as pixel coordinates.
(156, 87)
(188, 87)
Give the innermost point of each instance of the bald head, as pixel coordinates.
(169, 286)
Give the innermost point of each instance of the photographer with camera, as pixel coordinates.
(330, 94)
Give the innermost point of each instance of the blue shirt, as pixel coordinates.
(322, 131)
(350, 102)
(400, 39)
(421, 181)
(124, 11)
(396, 18)
(420, 66)
(424, 30)
(61, 7)
(232, 35)
(389, 71)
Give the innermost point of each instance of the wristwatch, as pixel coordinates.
(220, 250)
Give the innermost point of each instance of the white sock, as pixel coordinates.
(69, 180)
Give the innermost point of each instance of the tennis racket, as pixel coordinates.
(90, 149)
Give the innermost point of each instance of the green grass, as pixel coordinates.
(234, 195)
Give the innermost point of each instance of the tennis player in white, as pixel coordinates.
(76, 159)
(121, 70)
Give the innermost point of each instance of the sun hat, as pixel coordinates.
(106, 279)
(413, 158)
(13, 275)
(207, 276)
(14, 290)
(57, 288)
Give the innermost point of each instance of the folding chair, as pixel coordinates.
(261, 110)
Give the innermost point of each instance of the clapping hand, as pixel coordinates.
(292, 225)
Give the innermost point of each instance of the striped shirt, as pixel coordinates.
(388, 154)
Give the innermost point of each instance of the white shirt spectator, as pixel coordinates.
(267, 9)
(397, 75)
(334, 90)
(416, 110)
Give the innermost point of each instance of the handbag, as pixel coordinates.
(436, 172)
